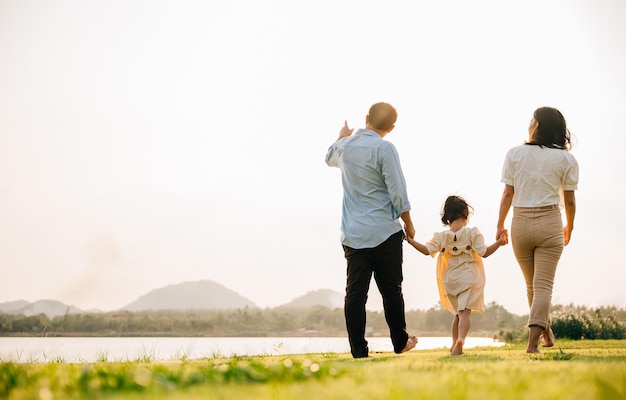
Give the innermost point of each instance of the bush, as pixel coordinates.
(576, 322)
(581, 323)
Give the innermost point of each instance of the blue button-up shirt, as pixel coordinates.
(374, 189)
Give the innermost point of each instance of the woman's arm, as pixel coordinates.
(569, 199)
(505, 205)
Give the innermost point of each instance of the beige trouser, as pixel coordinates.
(537, 238)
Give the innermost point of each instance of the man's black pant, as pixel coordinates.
(385, 263)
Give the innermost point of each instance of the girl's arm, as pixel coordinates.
(503, 239)
(418, 246)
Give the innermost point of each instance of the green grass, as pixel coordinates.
(571, 370)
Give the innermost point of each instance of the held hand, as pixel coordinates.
(345, 131)
(409, 231)
(502, 237)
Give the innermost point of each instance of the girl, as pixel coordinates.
(460, 272)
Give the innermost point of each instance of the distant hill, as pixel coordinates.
(11, 306)
(322, 297)
(197, 295)
(332, 299)
(190, 295)
(51, 308)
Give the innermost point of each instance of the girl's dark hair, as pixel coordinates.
(551, 129)
(454, 208)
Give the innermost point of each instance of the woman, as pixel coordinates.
(537, 176)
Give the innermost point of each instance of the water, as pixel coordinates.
(91, 349)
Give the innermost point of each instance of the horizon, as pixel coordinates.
(375, 306)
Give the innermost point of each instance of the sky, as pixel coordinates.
(150, 143)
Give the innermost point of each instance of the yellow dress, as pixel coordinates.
(460, 270)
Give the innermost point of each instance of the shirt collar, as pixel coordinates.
(367, 132)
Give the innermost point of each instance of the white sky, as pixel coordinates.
(146, 143)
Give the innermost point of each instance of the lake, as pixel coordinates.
(91, 349)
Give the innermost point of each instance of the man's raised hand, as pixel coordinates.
(345, 131)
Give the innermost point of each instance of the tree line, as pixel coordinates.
(568, 322)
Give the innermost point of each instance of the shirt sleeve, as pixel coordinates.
(394, 179)
(570, 177)
(478, 241)
(331, 156)
(507, 170)
(434, 244)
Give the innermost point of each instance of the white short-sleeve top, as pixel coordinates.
(539, 174)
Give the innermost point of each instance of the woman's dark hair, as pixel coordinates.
(454, 208)
(551, 129)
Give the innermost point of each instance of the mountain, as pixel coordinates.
(330, 298)
(190, 295)
(51, 308)
(11, 306)
(322, 297)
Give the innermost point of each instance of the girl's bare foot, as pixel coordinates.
(547, 338)
(457, 350)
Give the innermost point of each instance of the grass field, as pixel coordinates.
(591, 369)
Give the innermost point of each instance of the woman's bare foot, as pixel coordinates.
(410, 343)
(547, 338)
(533, 339)
(457, 350)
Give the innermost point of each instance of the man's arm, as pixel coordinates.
(331, 159)
(408, 224)
(396, 185)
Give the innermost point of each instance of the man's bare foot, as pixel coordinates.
(547, 338)
(533, 350)
(457, 350)
(410, 343)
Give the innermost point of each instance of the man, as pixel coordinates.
(374, 198)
